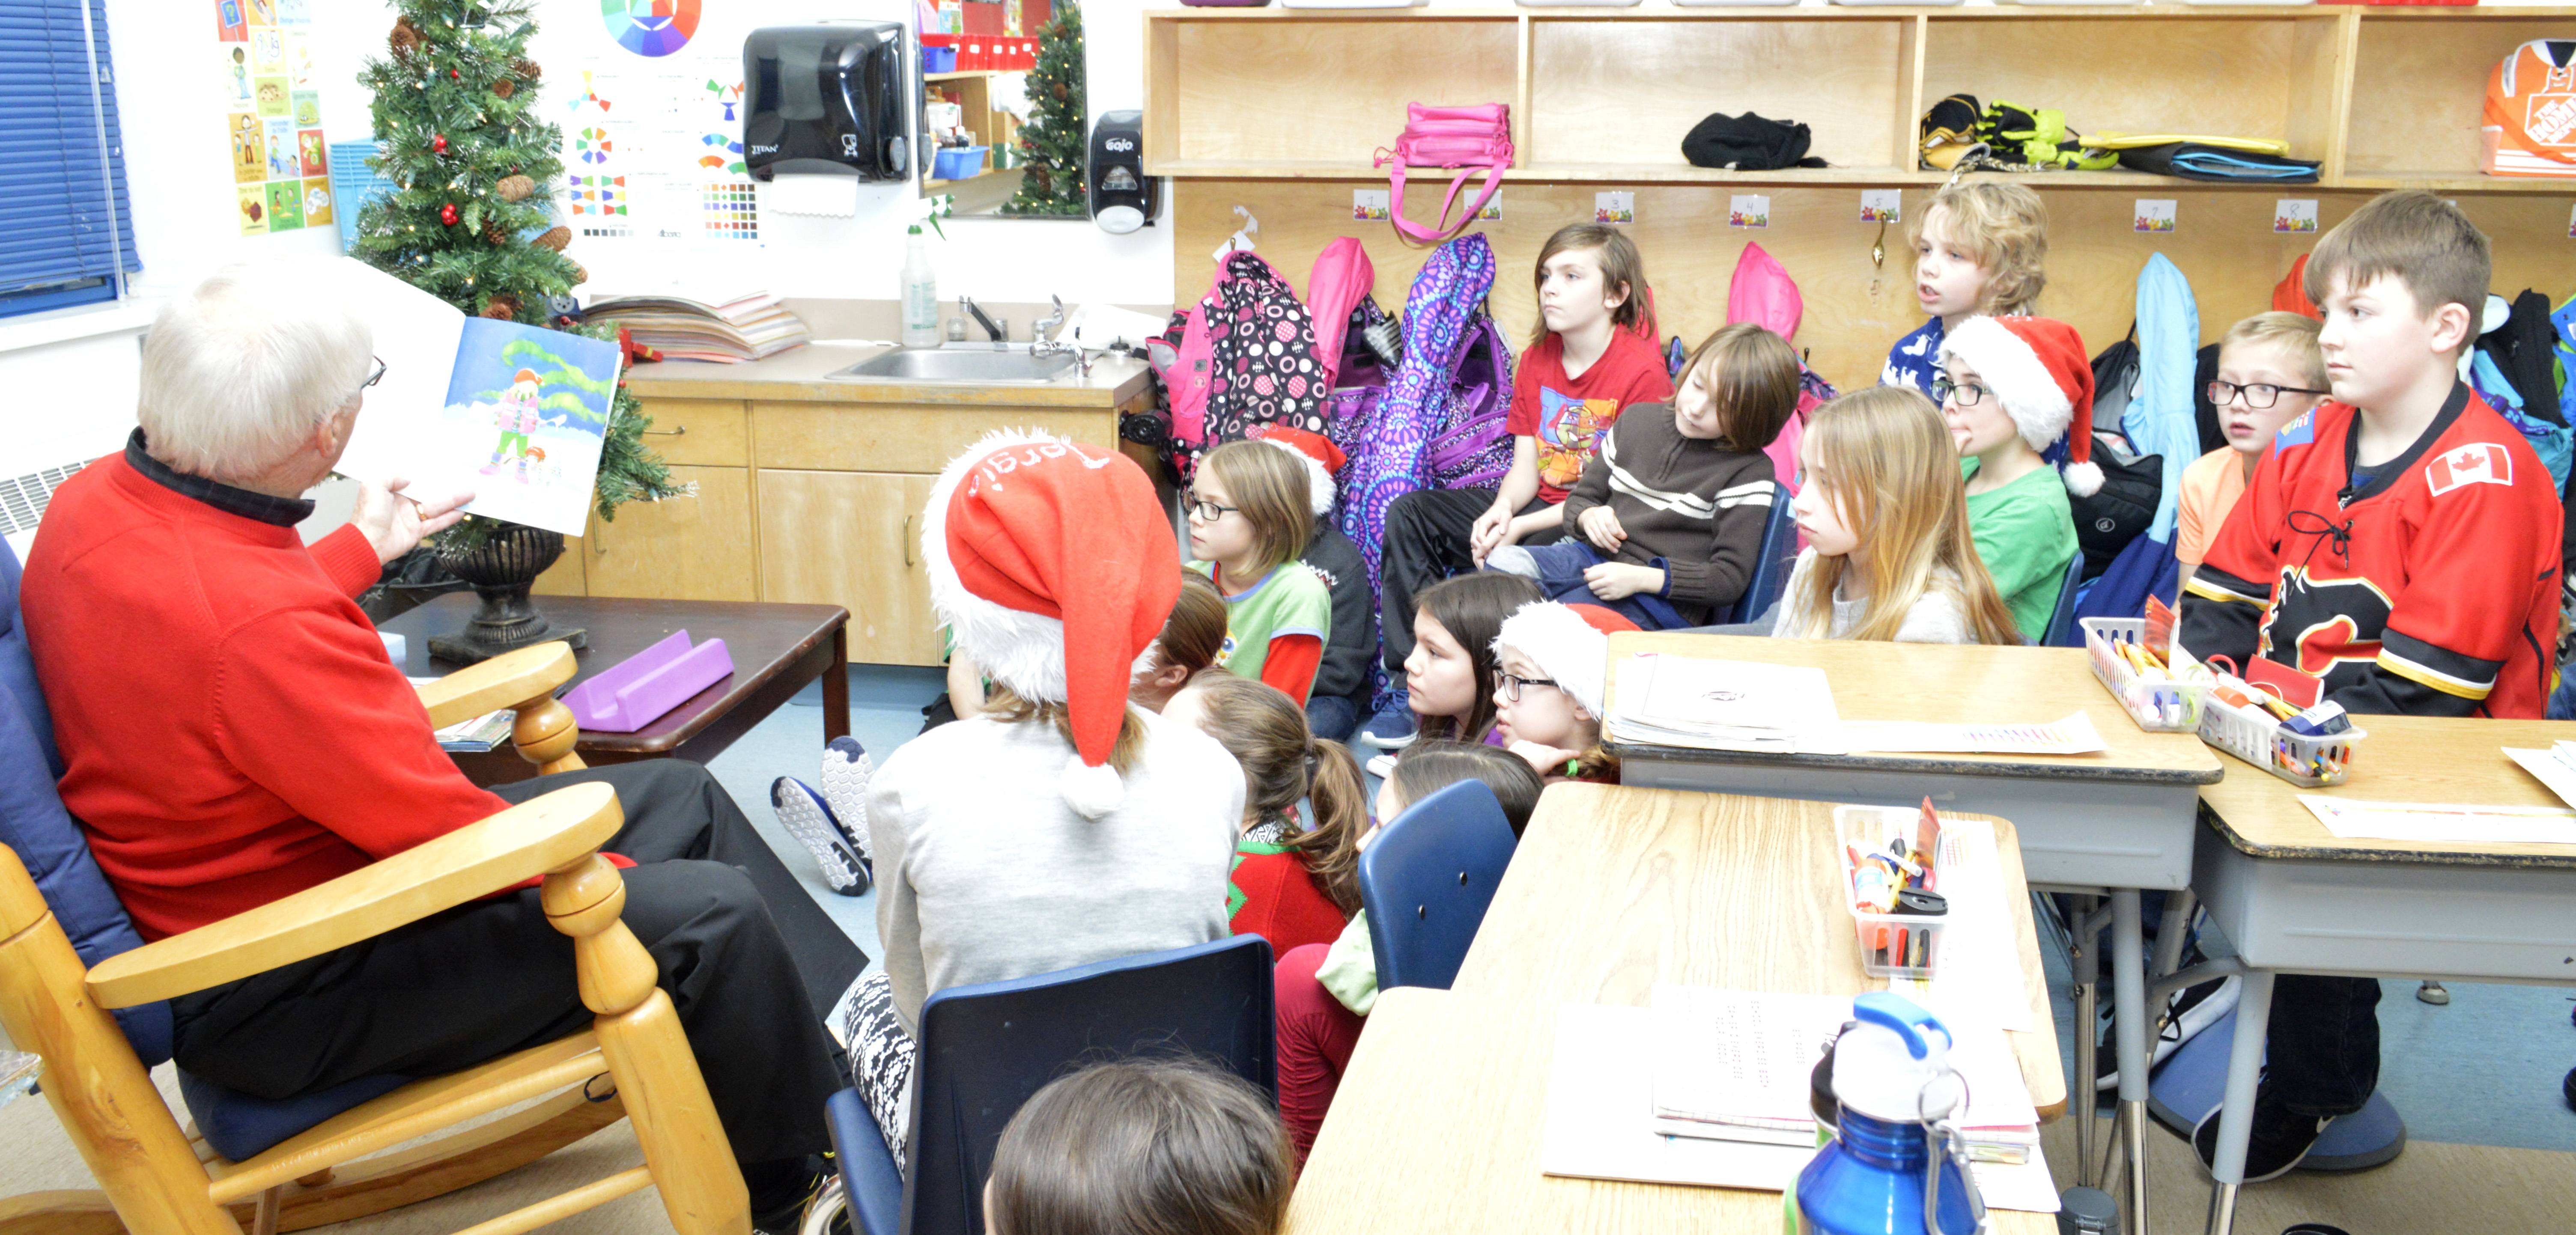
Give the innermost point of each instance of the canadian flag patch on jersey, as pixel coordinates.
(2474, 464)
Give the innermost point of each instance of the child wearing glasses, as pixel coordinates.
(2017, 393)
(1251, 511)
(2270, 372)
(1553, 660)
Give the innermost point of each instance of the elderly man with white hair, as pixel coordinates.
(232, 732)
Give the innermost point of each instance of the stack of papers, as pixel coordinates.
(478, 735)
(744, 328)
(1722, 705)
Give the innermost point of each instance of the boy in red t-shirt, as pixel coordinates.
(1595, 355)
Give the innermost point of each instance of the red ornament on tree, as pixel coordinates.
(447, 214)
(451, 75)
(438, 144)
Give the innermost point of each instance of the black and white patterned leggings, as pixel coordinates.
(881, 1055)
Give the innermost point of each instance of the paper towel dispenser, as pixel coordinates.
(827, 98)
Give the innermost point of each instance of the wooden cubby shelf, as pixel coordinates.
(2381, 97)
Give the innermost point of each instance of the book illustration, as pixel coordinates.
(280, 142)
(535, 403)
(234, 62)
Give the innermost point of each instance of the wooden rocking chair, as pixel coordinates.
(156, 1179)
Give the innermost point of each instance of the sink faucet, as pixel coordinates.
(1041, 345)
(998, 331)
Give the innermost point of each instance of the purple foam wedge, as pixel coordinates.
(638, 690)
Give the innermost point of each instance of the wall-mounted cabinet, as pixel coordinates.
(2381, 97)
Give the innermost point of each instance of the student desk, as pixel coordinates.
(2294, 897)
(2118, 821)
(1437, 1125)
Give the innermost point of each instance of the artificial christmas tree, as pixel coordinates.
(469, 220)
(1052, 142)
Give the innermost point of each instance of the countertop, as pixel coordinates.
(799, 374)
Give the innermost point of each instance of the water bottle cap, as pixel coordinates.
(1895, 1064)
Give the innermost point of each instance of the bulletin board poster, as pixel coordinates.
(272, 108)
(651, 114)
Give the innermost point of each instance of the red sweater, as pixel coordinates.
(1273, 895)
(231, 727)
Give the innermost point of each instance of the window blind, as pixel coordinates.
(65, 225)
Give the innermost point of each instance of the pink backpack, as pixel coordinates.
(1467, 138)
(1762, 293)
(1342, 277)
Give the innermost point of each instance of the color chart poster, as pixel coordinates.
(272, 109)
(652, 129)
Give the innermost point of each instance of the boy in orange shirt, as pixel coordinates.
(2269, 374)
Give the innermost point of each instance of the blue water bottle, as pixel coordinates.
(1896, 1165)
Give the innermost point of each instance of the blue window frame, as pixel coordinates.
(66, 230)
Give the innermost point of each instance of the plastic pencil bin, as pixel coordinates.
(2296, 758)
(2170, 706)
(958, 163)
(1881, 935)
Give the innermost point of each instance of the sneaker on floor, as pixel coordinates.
(2190, 1010)
(805, 816)
(1391, 729)
(2567, 1089)
(846, 769)
(1381, 766)
(2433, 993)
(2281, 1139)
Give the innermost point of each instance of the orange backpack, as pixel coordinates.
(2530, 127)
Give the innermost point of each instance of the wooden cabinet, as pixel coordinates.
(853, 539)
(685, 548)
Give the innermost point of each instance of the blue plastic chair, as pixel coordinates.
(2061, 622)
(986, 1050)
(1771, 566)
(1427, 879)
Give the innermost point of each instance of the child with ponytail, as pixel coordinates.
(1292, 884)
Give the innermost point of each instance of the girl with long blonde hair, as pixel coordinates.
(1886, 519)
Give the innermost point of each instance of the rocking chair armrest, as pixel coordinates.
(505, 681)
(512, 847)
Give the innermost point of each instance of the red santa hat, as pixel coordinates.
(2038, 368)
(1569, 643)
(1053, 565)
(1318, 453)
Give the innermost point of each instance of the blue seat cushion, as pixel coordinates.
(240, 1126)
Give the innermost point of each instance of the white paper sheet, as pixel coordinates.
(2555, 767)
(2073, 734)
(2434, 821)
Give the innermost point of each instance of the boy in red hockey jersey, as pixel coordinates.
(2397, 552)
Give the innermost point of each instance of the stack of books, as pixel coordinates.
(1722, 705)
(751, 327)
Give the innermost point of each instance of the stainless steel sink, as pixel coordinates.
(971, 364)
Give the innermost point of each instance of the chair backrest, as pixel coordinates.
(985, 1050)
(1426, 880)
(34, 824)
(2061, 620)
(1771, 566)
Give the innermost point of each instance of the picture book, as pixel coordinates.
(512, 414)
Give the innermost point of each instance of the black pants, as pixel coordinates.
(2322, 1044)
(750, 961)
(1426, 542)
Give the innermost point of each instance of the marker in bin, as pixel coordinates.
(1905, 873)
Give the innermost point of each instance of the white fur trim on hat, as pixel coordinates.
(1566, 648)
(1021, 650)
(2012, 372)
(1319, 483)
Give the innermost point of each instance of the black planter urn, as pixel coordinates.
(501, 569)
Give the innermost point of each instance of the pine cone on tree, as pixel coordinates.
(580, 274)
(555, 238)
(504, 307)
(515, 188)
(495, 236)
(405, 39)
(504, 88)
(527, 69)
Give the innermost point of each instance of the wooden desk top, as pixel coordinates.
(1948, 684)
(1614, 889)
(2405, 759)
(763, 639)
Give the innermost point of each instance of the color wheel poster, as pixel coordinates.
(264, 77)
(652, 125)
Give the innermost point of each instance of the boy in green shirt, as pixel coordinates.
(2018, 395)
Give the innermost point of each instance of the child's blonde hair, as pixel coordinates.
(1274, 494)
(1754, 383)
(1142, 1148)
(1621, 266)
(1892, 475)
(2295, 334)
(2005, 228)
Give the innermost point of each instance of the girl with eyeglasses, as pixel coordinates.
(1250, 513)
(2017, 394)
(2270, 373)
(1547, 702)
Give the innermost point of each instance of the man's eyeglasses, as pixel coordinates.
(1969, 394)
(1512, 684)
(374, 375)
(2260, 396)
(1209, 512)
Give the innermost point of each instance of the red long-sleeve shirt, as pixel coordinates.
(231, 727)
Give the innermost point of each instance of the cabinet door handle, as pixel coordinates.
(666, 432)
(907, 540)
